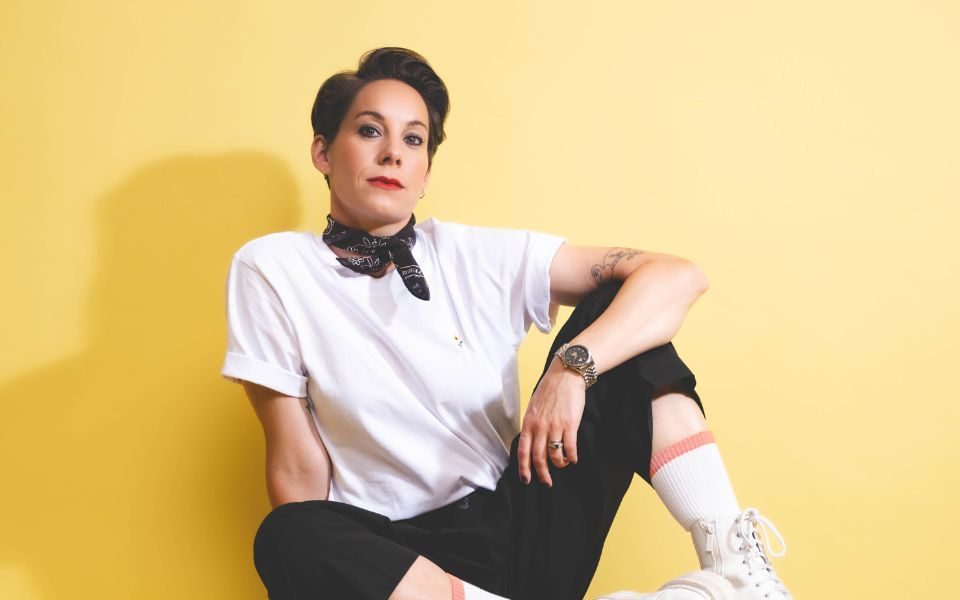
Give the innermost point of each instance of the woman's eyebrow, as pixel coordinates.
(380, 118)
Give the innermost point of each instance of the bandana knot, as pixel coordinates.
(378, 250)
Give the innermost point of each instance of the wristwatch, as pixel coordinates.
(577, 357)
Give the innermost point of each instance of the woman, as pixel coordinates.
(389, 400)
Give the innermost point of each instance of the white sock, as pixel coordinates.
(692, 482)
(461, 590)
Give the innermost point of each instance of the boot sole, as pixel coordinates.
(710, 585)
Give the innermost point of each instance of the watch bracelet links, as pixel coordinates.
(589, 375)
(588, 372)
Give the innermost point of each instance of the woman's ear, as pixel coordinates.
(318, 152)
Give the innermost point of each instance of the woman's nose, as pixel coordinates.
(390, 154)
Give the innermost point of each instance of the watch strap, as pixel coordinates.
(588, 371)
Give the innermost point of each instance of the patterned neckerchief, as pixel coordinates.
(378, 250)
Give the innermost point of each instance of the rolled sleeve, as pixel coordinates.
(262, 345)
(237, 368)
(536, 279)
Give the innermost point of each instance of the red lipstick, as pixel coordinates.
(386, 183)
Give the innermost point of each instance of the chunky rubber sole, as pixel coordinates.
(696, 585)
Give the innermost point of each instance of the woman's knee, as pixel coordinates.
(274, 528)
(587, 310)
(593, 304)
(286, 526)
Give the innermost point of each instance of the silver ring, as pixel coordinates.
(554, 444)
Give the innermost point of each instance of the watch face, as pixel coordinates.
(576, 355)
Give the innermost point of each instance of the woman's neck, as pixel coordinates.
(372, 227)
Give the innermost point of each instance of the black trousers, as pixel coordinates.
(525, 542)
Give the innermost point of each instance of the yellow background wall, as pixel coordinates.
(803, 154)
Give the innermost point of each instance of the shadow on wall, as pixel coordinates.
(133, 468)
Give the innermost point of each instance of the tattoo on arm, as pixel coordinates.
(603, 273)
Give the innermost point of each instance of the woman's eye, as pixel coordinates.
(371, 131)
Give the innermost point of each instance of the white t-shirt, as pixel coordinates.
(416, 401)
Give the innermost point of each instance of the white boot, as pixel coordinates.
(731, 547)
(698, 585)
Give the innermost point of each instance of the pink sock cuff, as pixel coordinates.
(682, 447)
(456, 588)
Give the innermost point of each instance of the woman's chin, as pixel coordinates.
(387, 213)
(383, 222)
(373, 212)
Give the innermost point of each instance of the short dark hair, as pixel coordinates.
(338, 92)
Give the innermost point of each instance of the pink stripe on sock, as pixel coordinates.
(456, 587)
(682, 447)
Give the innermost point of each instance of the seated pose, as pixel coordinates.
(380, 356)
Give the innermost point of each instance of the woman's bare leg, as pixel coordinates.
(698, 493)
(423, 581)
(675, 417)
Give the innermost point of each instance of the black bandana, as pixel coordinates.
(378, 250)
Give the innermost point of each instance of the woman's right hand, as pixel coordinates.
(553, 413)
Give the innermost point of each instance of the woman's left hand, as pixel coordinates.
(553, 413)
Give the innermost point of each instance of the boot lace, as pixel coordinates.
(758, 565)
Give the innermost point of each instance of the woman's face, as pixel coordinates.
(384, 134)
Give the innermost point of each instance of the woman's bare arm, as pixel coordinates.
(657, 293)
(297, 465)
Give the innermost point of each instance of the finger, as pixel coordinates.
(556, 454)
(523, 455)
(539, 451)
(570, 444)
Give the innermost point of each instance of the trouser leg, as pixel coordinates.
(521, 541)
(558, 533)
(322, 549)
